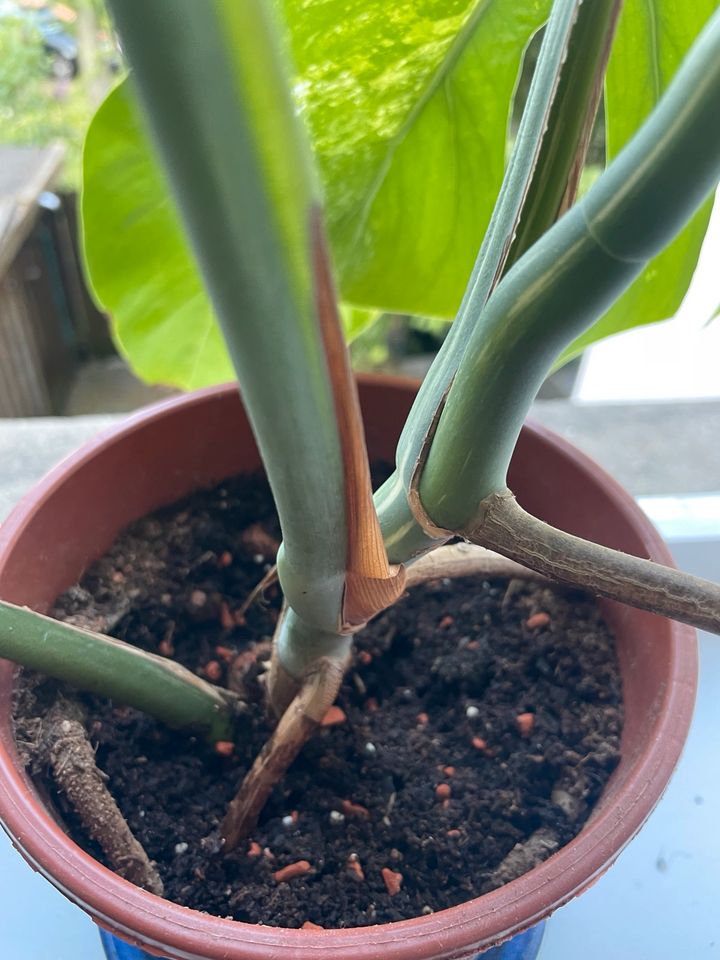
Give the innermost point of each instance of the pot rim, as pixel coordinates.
(153, 922)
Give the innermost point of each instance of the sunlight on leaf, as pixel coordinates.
(139, 260)
(408, 108)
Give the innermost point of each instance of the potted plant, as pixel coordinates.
(547, 269)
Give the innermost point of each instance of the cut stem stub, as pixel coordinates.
(99, 664)
(71, 758)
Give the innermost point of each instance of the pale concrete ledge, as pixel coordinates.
(659, 448)
(650, 448)
(29, 447)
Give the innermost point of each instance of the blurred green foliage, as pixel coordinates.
(36, 108)
(409, 106)
(22, 58)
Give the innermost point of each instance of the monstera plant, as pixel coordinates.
(366, 177)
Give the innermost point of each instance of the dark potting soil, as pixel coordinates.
(480, 722)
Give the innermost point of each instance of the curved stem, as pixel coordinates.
(568, 279)
(299, 646)
(223, 74)
(539, 184)
(297, 725)
(504, 526)
(466, 560)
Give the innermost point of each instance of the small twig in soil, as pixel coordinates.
(526, 855)
(72, 761)
(241, 665)
(297, 725)
(257, 591)
(104, 623)
(512, 589)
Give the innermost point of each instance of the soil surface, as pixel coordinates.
(478, 725)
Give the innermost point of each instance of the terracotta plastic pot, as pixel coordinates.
(165, 452)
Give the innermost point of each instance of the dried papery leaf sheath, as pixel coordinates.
(370, 583)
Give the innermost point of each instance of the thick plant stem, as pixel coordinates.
(539, 184)
(567, 280)
(503, 525)
(466, 560)
(297, 725)
(297, 649)
(282, 688)
(111, 668)
(223, 75)
(71, 758)
(563, 145)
